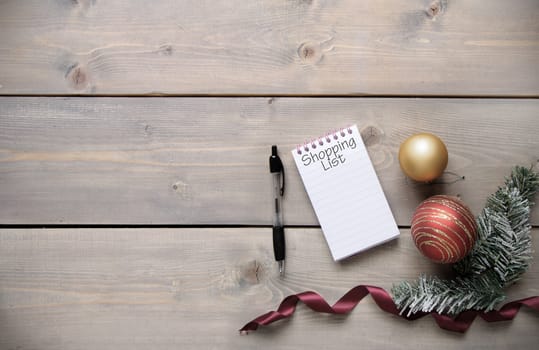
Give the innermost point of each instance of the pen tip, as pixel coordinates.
(281, 267)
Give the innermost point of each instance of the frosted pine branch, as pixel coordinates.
(500, 256)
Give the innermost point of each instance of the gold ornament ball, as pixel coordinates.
(423, 157)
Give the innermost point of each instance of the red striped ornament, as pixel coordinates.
(444, 229)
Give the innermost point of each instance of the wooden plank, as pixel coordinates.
(187, 288)
(418, 47)
(204, 160)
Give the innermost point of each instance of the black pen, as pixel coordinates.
(277, 172)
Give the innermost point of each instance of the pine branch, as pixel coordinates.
(504, 243)
(447, 296)
(500, 256)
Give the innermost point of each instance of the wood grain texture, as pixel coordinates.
(194, 288)
(205, 160)
(395, 47)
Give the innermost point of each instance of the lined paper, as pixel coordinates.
(345, 193)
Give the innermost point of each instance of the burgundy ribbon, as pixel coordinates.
(344, 305)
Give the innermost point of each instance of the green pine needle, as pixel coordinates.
(501, 254)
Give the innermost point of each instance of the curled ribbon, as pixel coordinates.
(348, 302)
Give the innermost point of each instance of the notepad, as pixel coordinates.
(345, 192)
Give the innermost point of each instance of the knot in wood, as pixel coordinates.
(371, 135)
(250, 273)
(77, 77)
(166, 50)
(84, 4)
(434, 9)
(182, 189)
(310, 52)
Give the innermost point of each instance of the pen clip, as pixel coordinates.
(276, 165)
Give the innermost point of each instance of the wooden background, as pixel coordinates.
(134, 138)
